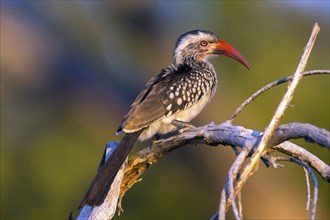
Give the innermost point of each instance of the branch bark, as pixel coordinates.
(214, 135)
(108, 208)
(268, 87)
(295, 130)
(253, 164)
(227, 134)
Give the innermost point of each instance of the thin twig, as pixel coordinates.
(222, 206)
(232, 174)
(315, 182)
(269, 86)
(272, 161)
(253, 164)
(308, 201)
(304, 155)
(240, 206)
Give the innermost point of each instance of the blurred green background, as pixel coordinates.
(70, 70)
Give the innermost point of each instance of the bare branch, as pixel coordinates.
(214, 135)
(269, 86)
(222, 207)
(302, 154)
(308, 201)
(253, 164)
(232, 174)
(309, 132)
(240, 207)
(272, 160)
(108, 208)
(225, 134)
(315, 182)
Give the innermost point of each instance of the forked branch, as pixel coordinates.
(268, 87)
(252, 165)
(227, 135)
(255, 143)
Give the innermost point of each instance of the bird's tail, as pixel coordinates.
(101, 184)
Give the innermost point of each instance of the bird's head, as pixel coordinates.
(201, 45)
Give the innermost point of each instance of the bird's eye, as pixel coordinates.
(203, 43)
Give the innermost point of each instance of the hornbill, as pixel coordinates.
(173, 97)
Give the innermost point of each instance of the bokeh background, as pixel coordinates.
(70, 70)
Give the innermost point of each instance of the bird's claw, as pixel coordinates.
(183, 126)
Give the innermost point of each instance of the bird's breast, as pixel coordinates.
(183, 99)
(164, 125)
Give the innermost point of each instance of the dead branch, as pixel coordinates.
(308, 200)
(252, 143)
(302, 154)
(309, 171)
(269, 86)
(108, 208)
(308, 132)
(253, 164)
(226, 134)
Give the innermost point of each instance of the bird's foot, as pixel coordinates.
(182, 126)
(157, 139)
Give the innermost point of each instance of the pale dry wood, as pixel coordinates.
(303, 155)
(269, 86)
(308, 200)
(314, 179)
(252, 165)
(229, 135)
(108, 208)
(224, 134)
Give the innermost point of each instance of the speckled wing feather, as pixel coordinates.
(149, 106)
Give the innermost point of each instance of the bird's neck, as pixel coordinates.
(194, 63)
